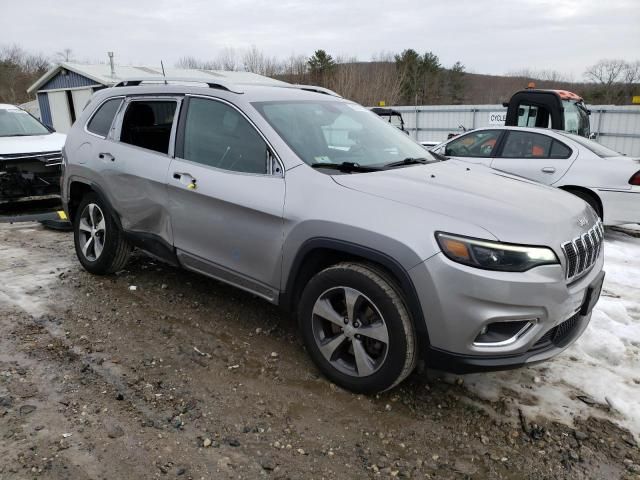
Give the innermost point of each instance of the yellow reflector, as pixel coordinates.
(62, 215)
(456, 248)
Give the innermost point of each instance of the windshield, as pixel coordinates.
(576, 118)
(326, 132)
(15, 122)
(595, 147)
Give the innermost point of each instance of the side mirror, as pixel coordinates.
(593, 136)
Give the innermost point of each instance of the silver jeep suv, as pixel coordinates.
(386, 254)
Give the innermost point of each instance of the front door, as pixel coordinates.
(535, 156)
(226, 204)
(475, 147)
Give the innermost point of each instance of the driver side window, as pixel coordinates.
(475, 144)
(219, 136)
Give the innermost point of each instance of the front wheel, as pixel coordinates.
(100, 245)
(357, 329)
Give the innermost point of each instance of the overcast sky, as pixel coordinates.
(487, 36)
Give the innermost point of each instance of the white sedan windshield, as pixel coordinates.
(18, 123)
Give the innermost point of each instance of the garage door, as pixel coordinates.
(80, 99)
(60, 115)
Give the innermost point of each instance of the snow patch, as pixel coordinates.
(26, 277)
(603, 364)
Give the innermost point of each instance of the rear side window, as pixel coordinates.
(526, 145)
(217, 135)
(533, 145)
(101, 121)
(147, 124)
(559, 150)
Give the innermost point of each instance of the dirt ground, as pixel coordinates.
(184, 377)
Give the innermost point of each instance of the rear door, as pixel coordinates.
(538, 157)
(478, 146)
(135, 164)
(226, 197)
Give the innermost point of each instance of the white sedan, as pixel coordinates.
(605, 179)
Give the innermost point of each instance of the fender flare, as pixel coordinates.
(400, 274)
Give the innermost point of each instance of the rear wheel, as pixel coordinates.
(357, 329)
(100, 245)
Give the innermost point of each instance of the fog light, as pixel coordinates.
(500, 334)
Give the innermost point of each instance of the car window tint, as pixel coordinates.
(217, 135)
(147, 124)
(559, 150)
(474, 144)
(101, 121)
(526, 145)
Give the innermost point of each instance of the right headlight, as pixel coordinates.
(491, 255)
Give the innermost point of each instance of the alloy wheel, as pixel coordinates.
(92, 232)
(350, 331)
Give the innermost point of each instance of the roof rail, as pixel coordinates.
(134, 82)
(313, 88)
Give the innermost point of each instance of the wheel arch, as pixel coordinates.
(316, 254)
(78, 189)
(588, 192)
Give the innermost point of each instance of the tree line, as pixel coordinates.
(405, 78)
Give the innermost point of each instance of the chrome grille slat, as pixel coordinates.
(582, 252)
(32, 156)
(590, 247)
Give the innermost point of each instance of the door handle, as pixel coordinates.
(549, 170)
(106, 155)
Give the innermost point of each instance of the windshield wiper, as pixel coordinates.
(345, 167)
(406, 161)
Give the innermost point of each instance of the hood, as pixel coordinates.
(32, 144)
(510, 208)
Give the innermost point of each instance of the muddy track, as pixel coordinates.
(185, 377)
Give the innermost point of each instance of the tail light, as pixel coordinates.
(635, 178)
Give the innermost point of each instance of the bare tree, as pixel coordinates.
(616, 80)
(228, 59)
(18, 70)
(606, 72)
(192, 63)
(255, 61)
(65, 55)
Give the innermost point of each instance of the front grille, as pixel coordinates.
(582, 252)
(558, 334)
(50, 159)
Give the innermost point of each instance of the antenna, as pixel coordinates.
(165, 77)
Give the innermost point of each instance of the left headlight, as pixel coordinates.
(494, 255)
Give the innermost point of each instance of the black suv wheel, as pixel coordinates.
(100, 245)
(357, 329)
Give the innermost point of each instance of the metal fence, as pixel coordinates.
(617, 127)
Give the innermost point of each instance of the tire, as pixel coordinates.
(350, 349)
(100, 245)
(591, 199)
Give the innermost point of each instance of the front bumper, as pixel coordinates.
(29, 176)
(459, 301)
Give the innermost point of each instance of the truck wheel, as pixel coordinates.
(100, 245)
(357, 329)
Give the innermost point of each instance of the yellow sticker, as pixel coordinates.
(192, 186)
(62, 215)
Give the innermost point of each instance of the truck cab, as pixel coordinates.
(557, 109)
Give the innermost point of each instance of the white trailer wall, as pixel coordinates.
(617, 127)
